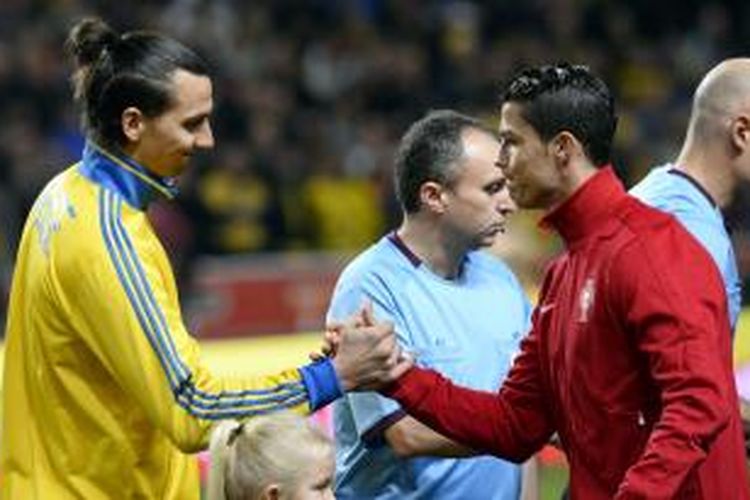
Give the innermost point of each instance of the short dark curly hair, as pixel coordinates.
(567, 97)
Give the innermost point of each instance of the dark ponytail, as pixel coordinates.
(88, 39)
(86, 44)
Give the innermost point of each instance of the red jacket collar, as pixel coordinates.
(587, 208)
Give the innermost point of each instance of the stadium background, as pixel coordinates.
(311, 98)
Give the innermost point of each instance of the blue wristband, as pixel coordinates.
(321, 382)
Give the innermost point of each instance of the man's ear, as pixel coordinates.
(431, 197)
(740, 133)
(272, 492)
(564, 147)
(132, 123)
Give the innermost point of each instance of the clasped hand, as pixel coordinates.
(365, 352)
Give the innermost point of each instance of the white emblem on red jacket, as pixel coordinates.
(586, 300)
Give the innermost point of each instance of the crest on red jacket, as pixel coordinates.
(586, 300)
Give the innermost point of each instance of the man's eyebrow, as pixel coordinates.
(196, 117)
(323, 483)
(199, 114)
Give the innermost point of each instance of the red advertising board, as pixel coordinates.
(240, 296)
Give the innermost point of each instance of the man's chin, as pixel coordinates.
(175, 170)
(486, 241)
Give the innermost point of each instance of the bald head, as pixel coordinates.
(716, 152)
(723, 94)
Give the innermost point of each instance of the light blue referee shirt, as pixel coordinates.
(673, 191)
(468, 329)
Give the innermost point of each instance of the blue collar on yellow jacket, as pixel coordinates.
(123, 175)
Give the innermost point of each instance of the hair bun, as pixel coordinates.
(89, 38)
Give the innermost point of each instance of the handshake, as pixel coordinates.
(365, 352)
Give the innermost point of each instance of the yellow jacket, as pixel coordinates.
(105, 392)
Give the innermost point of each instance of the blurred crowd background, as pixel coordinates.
(312, 96)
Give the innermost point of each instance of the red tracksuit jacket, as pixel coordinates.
(628, 359)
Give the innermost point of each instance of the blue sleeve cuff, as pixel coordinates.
(374, 437)
(321, 382)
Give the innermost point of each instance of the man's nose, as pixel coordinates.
(505, 204)
(205, 138)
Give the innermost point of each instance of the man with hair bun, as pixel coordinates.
(105, 391)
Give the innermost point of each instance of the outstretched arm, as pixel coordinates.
(512, 424)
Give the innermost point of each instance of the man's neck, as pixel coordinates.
(425, 239)
(576, 176)
(715, 176)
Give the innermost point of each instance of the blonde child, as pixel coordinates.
(275, 457)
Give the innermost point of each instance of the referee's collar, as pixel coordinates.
(125, 176)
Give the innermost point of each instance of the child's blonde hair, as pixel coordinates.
(277, 448)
